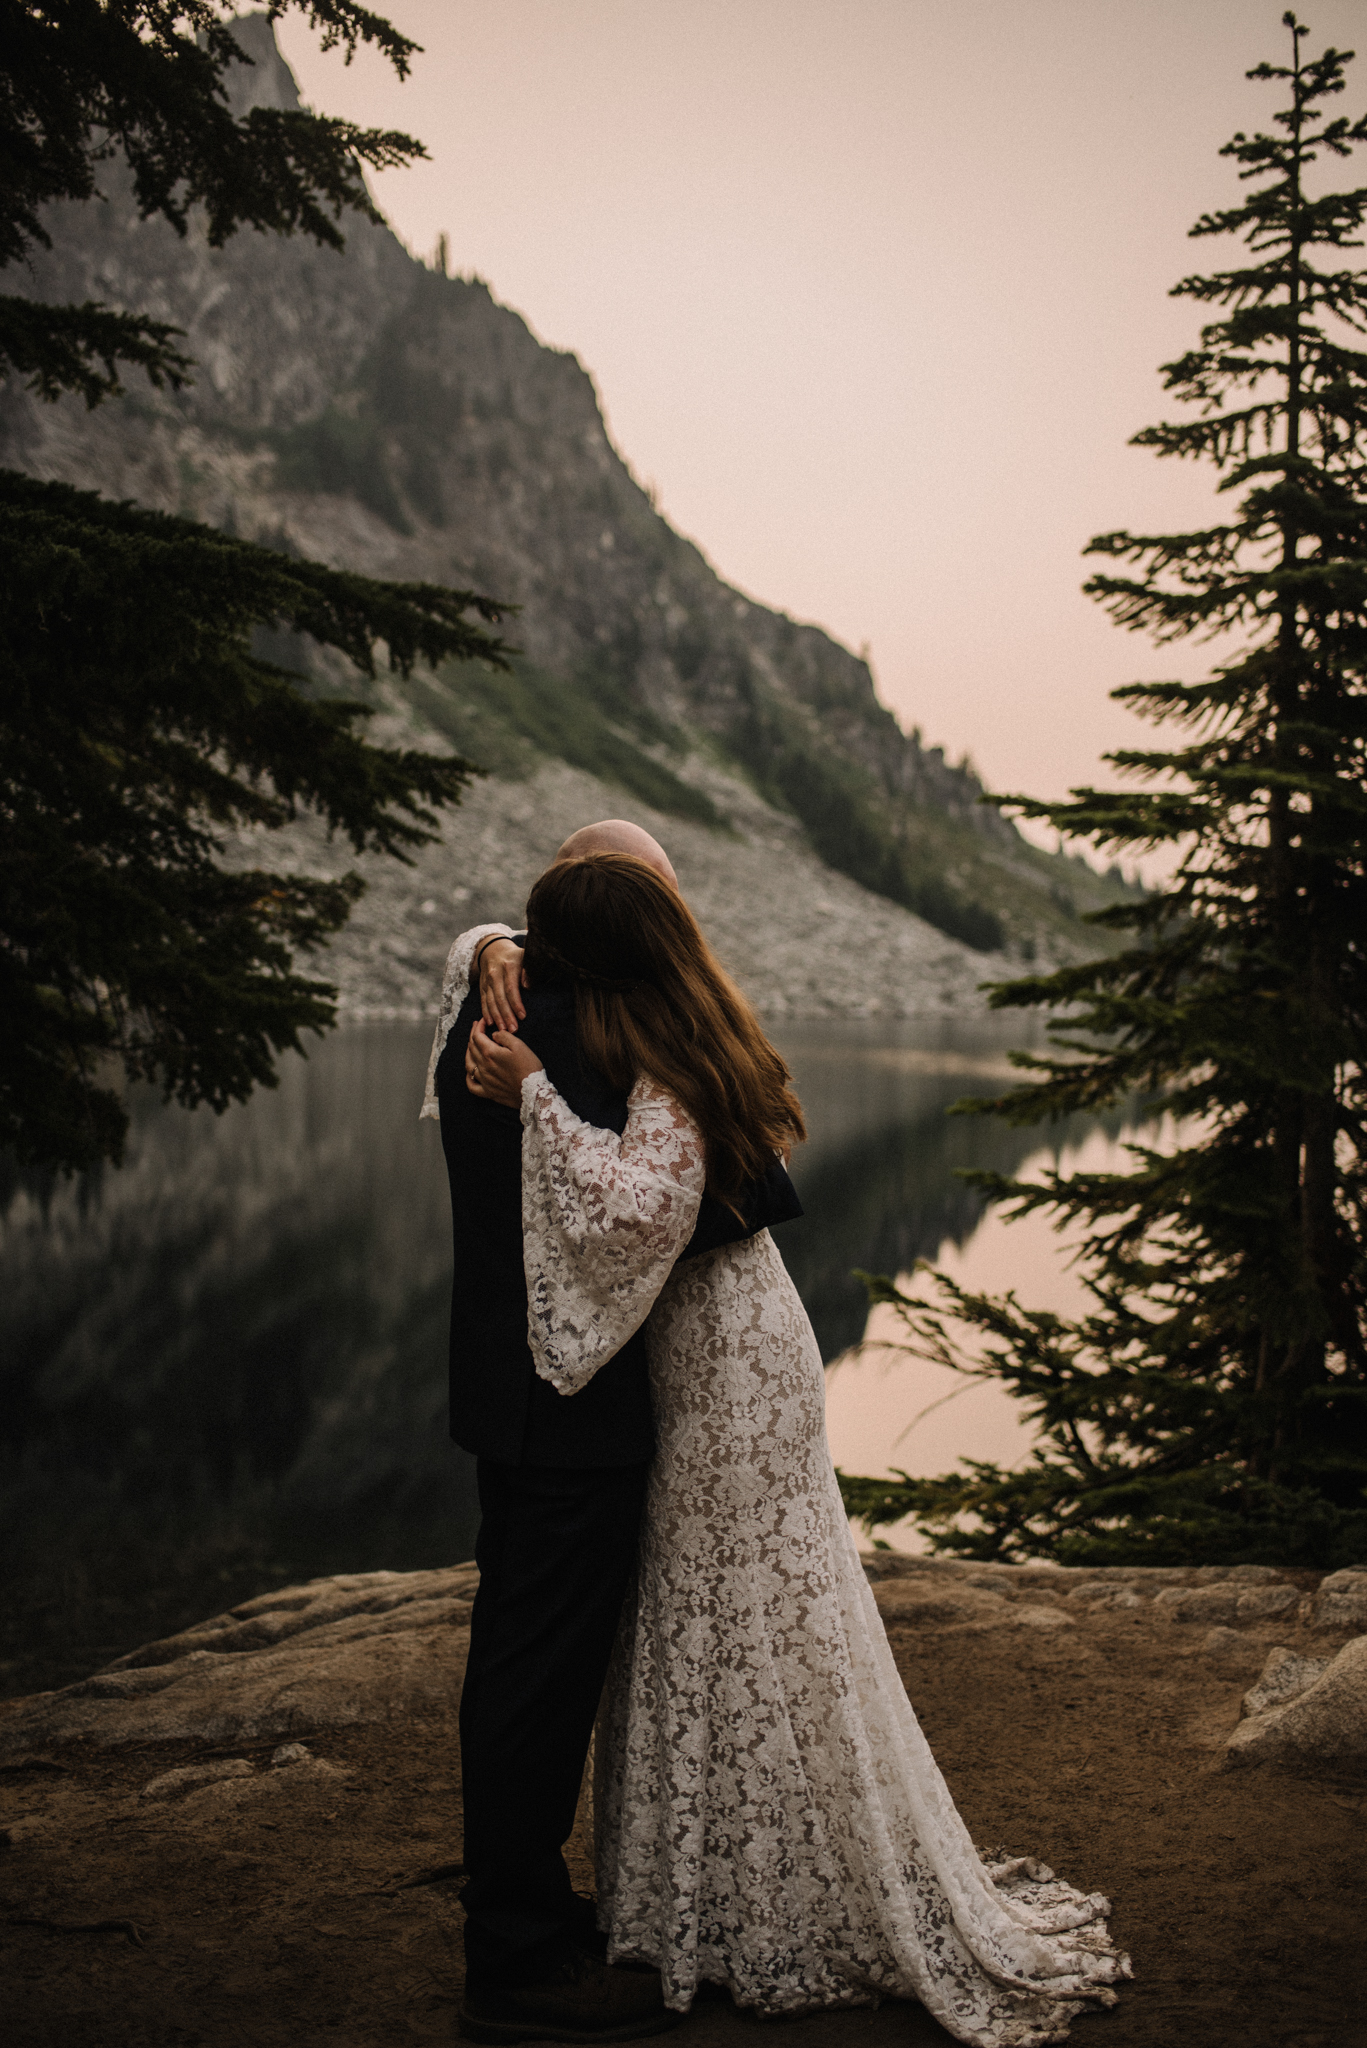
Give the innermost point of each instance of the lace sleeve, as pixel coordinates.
(454, 984)
(603, 1220)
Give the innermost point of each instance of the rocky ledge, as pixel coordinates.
(1308, 1706)
(379, 1647)
(358, 1647)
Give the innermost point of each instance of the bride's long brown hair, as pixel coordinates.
(651, 998)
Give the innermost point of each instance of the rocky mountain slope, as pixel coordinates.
(375, 413)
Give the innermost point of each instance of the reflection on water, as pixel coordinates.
(225, 1364)
(888, 1409)
(878, 1179)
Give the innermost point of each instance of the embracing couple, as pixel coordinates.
(662, 1544)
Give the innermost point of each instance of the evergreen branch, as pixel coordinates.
(340, 24)
(148, 78)
(135, 721)
(58, 348)
(1216, 438)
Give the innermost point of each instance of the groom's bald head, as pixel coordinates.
(616, 835)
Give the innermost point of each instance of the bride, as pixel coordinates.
(769, 1815)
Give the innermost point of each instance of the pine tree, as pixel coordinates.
(145, 79)
(1212, 1402)
(137, 718)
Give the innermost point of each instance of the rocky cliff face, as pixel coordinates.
(379, 415)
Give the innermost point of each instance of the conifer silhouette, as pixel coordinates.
(138, 716)
(1212, 1403)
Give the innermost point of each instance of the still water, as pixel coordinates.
(224, 1364)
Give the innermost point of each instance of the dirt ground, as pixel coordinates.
(294, 1919)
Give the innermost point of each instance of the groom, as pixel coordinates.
(561, 1485)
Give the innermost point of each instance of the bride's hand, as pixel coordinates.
(496, 1065)
(501, 983)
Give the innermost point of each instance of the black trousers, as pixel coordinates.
(556, 1550)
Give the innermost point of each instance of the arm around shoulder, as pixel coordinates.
(454, 983)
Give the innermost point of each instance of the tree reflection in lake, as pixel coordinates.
(224, 1364)
(879, 1179)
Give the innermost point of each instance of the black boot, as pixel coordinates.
(566, 1995)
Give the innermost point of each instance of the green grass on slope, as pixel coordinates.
(509, 723)
(1038, 897)
(849, 819)
(988, 896)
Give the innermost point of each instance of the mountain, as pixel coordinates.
(375, 413)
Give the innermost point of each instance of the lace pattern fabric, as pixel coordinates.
(455, 985)
(769, 1814)
(603, 1220)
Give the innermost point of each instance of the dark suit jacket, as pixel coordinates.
(500, 1409)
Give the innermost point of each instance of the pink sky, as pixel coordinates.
(874, 294)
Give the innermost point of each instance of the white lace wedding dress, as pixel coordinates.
(769, 1814)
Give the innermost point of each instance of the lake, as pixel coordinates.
(225, 1363)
